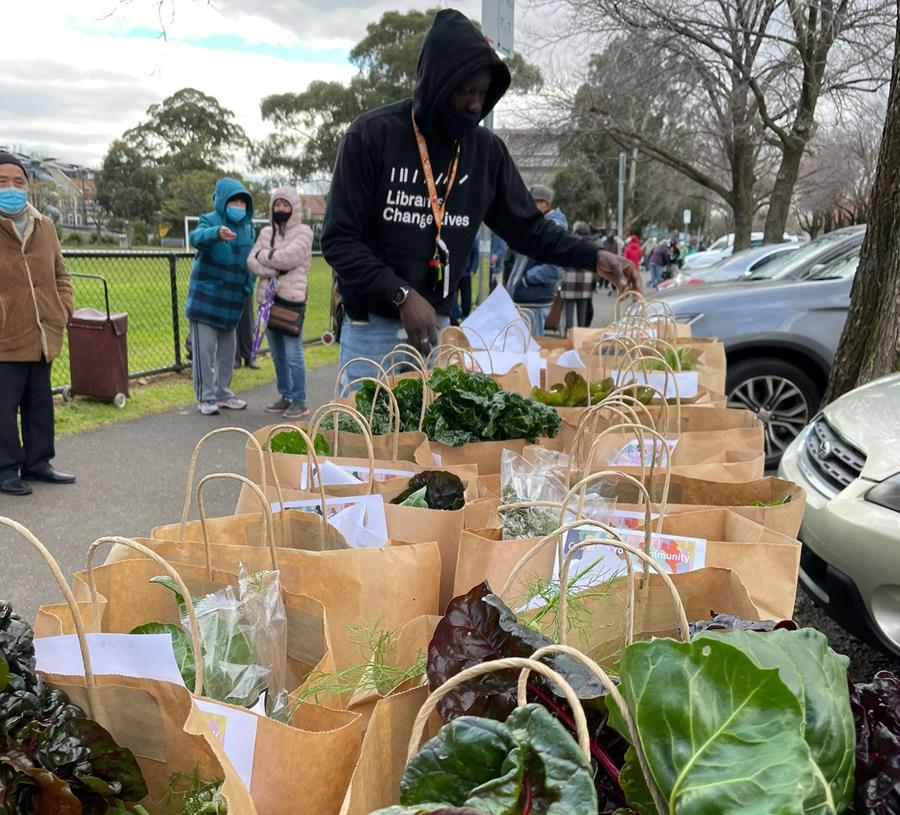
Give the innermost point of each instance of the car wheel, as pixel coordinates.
(781, 394)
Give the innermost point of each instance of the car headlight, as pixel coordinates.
(886, 493)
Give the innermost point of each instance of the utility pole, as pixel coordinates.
(620, 221)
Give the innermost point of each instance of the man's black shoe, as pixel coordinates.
(50, 475)
(14, 486)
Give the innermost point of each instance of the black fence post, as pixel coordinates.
(176, 322)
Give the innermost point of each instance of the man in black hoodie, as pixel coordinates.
(413, 182)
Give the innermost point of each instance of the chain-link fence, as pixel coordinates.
(151, 288)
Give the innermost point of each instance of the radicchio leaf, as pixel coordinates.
(876, 711)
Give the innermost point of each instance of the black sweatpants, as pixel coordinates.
(25, 387)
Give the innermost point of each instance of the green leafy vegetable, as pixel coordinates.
(528, 764)
(817, 676)
(778, 502)
(53, 759)
(192, 795)
(679, 360)
(433, 489)
(407, 392)
(528, 522)
(471, 407)
(722, 736)
(290, 441)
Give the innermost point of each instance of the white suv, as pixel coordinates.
(848, 461)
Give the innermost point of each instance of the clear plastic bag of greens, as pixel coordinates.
(537, 478)
(243, 632)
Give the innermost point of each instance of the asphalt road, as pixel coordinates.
(131, 477)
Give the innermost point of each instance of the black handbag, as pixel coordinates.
(286, 317)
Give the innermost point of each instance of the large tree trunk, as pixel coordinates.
(783, 192)
(742, 201)
(870, 344)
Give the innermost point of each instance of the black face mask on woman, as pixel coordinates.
(281, 217)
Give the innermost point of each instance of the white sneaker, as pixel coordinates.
(208, 408)
(232, 404)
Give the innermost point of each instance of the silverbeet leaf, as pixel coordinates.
(528, 764)
(722, 736)
(817, 676)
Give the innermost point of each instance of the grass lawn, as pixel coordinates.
(141, 287)
(167, 391)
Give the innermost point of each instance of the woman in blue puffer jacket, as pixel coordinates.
(219, 284)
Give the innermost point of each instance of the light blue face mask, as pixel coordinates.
(12, 200)
(235, 214)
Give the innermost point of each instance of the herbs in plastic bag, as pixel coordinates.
(243, 633)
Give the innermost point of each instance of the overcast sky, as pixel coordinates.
(79, 72)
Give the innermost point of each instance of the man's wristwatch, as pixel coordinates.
(401, 295)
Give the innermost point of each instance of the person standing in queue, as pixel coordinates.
(35, 305)
(413, 182)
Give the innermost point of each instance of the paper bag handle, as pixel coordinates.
(404, 351)
(185, 593)
(517, 325)
(426, 392)
(588, 426)
(379, 371)
(312, 461)
(193, 467)
(510, 663)
(334, 409)
(268, 530)
(627, 299)
(465, 358)
(393, 411)
(69, 597)
(649, 563)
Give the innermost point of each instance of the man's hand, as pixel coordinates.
(226, 234)
(620, 272)
(420, 322)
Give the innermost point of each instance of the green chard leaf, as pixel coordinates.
(722, 736)
(527, 764)
(290, 441)
(433, 489)
(817, 676)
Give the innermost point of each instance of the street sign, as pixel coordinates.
(497, 24)
(687, 217)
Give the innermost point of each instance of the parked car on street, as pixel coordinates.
(780, 337)
(848, 461)
(724, 247)
(738, 265)
(813, 256)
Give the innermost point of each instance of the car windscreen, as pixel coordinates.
(839, 268)
(795, 261)
(745, 259)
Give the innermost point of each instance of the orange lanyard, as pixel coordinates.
(438, 209)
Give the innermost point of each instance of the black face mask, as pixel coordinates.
(281, 217)
(459, 123)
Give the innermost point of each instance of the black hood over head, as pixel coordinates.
(454, 49)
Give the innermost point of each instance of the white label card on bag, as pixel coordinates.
(359, 518)
(235, 730)
(142, 656)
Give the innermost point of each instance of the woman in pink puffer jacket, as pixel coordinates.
(281, 256)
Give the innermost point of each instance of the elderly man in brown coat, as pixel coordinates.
(35, 305)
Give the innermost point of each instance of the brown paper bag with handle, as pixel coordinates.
(687, 494)
(391, 585)
(331, 736)
(485, 455)
(631, 607)
(290, 527)
(150, 717)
